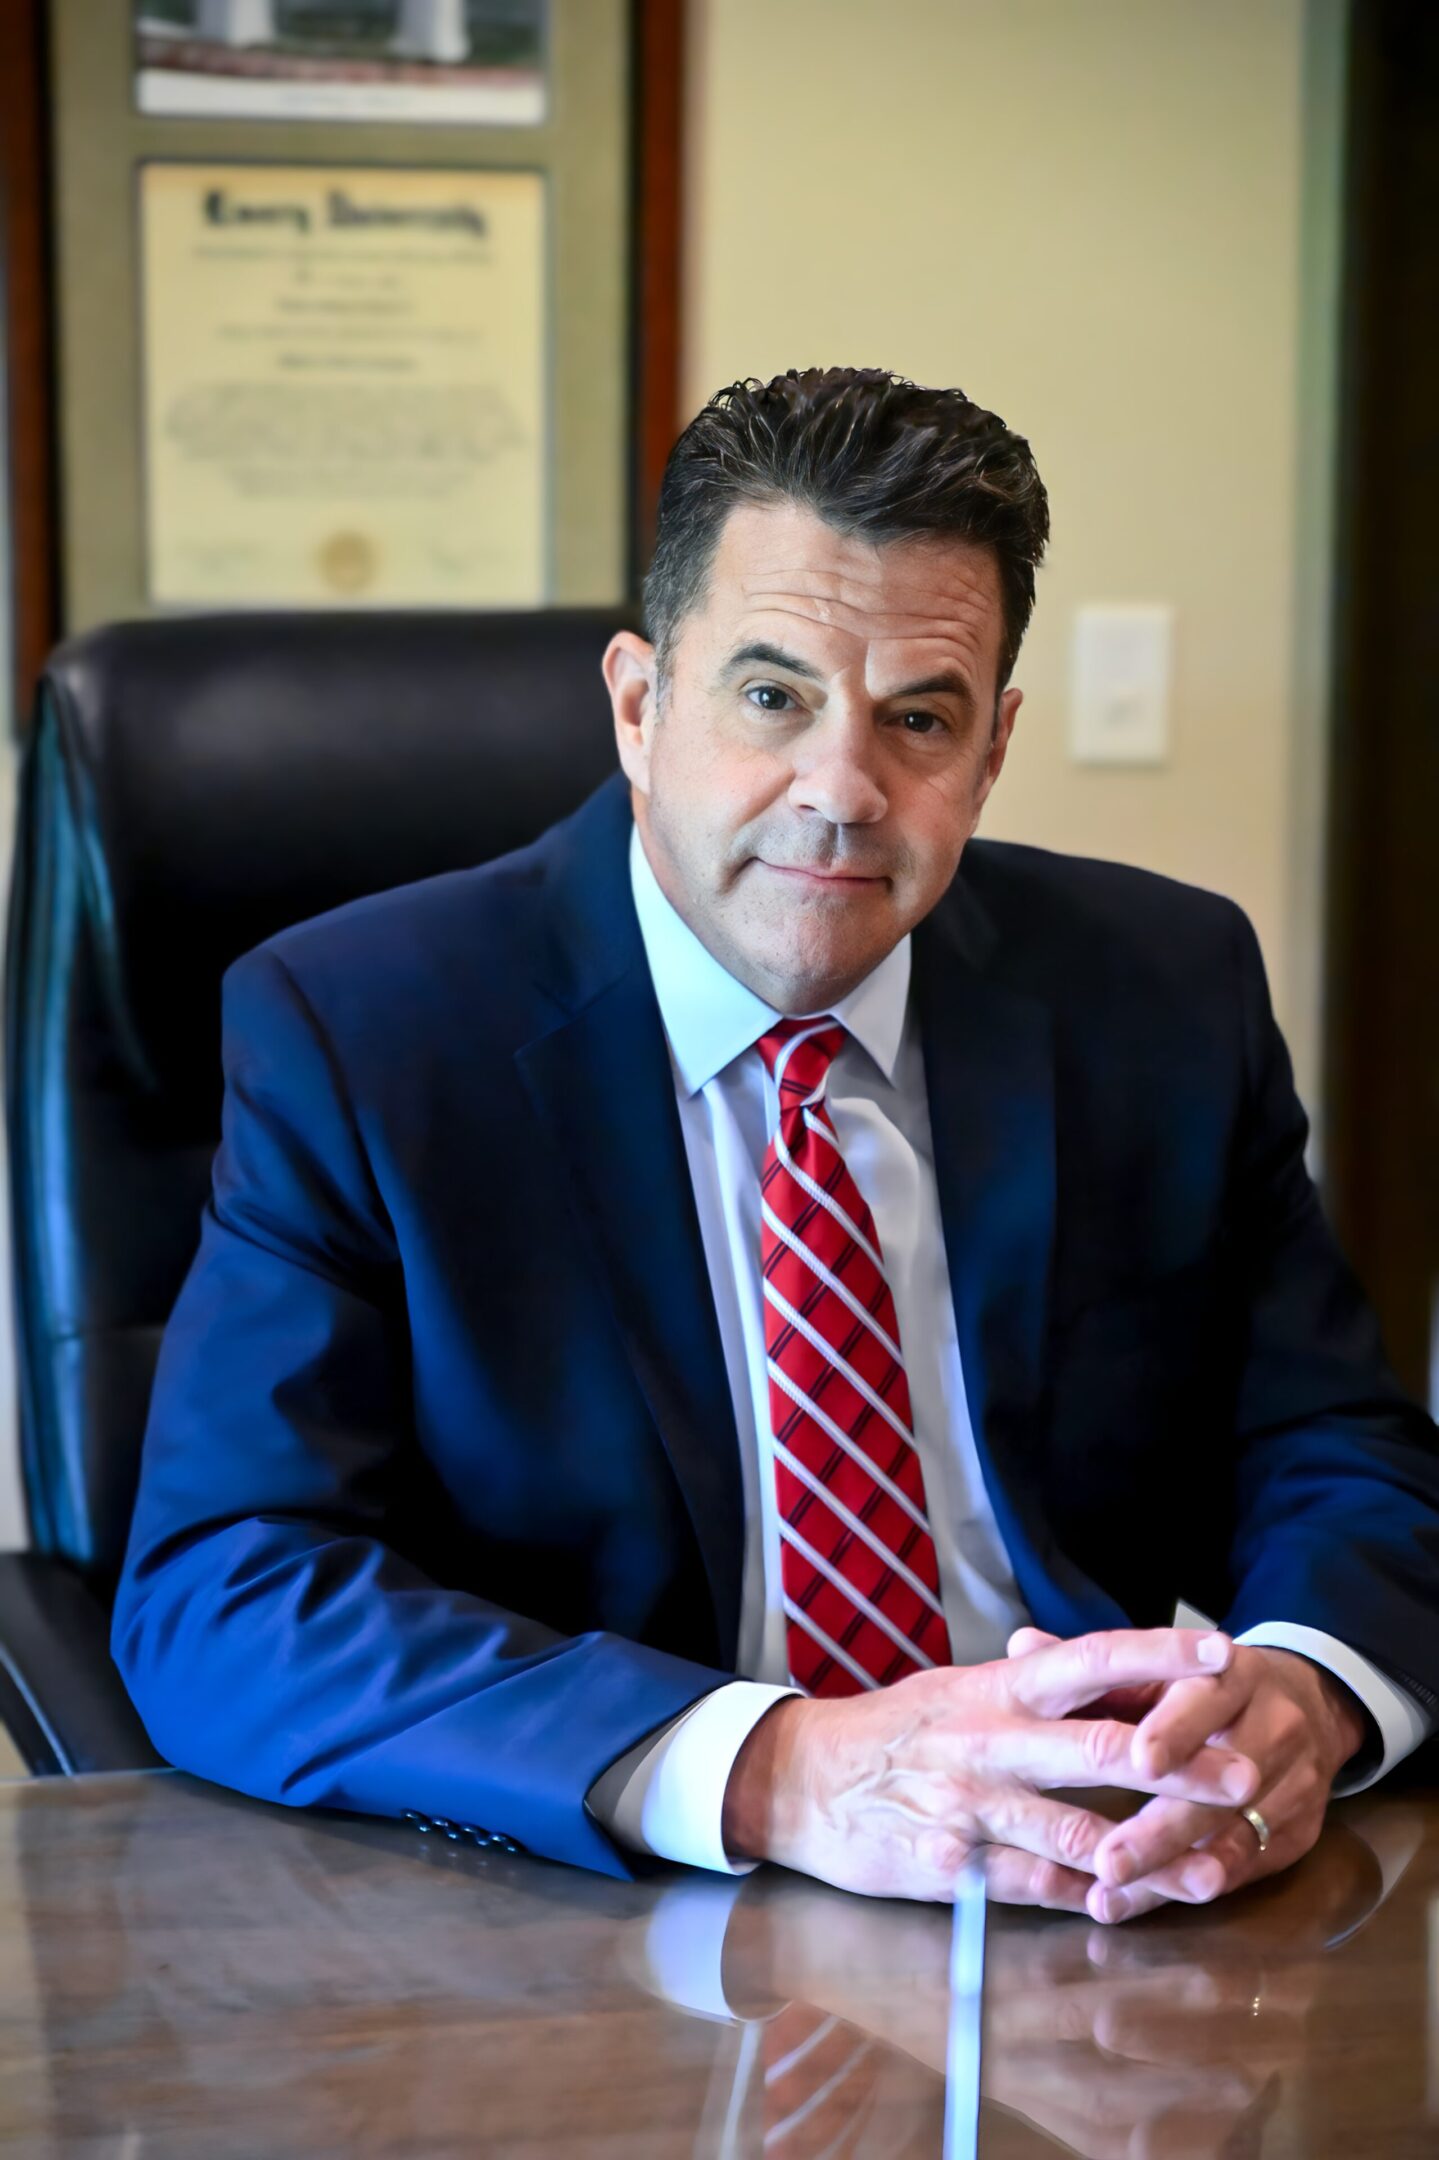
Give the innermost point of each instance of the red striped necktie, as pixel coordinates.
(860, 1580)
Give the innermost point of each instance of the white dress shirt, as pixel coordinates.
(665, 1796)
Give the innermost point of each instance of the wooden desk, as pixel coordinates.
(184, 1973)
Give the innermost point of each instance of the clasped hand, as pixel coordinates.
(891, 1793)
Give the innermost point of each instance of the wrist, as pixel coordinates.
(1349, 1721)
(1344, 1723)
(762, 1776)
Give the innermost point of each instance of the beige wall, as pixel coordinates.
(1088, 213)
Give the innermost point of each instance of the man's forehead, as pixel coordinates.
(779, 567)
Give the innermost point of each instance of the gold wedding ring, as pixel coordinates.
(1258, 1825)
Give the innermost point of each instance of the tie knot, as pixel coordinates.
(799, 1053)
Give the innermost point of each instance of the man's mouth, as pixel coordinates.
(839, 880)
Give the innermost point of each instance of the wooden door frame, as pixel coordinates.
(1382, 943)
(657, 136)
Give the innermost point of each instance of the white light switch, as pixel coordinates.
(1119, 697)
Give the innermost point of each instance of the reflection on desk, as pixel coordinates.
(183, 1972)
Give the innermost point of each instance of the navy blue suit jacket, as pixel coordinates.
(440, 1503)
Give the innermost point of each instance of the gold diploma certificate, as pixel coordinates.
(345, 386)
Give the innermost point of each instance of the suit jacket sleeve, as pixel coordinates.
(1337, 1471)
(270, 1637)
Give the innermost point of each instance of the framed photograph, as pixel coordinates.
(474, 63)
(344, 385)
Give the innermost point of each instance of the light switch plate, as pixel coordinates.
(1119, 694)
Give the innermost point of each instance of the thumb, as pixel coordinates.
(1025, 1639)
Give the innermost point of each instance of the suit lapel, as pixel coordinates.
(989, 1065)
(602, 1085)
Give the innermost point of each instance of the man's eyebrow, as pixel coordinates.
(773, 656)
(947, 683)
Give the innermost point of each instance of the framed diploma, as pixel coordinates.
(344, 379)
(316, 349)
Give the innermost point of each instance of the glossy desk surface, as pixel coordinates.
(186, 1973)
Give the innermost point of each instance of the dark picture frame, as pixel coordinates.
(51, 594)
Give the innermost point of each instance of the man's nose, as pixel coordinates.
(837, 771)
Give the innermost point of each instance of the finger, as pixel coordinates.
(1161, 1832)
(1128, 1703)
(1054, 1681)
(1199, 1880)
(1012, 1877)
(1234, 1850)
(1293, 1812)
(1189, 1713)
(1180, 1863)
(1227, 1859)
(1015, 1817)
(1157, 1844)
(1090, 1752)
(1025, 1639)
(1109, 1907)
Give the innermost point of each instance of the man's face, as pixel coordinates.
(825, 743)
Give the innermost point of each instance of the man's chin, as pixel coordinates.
(797, 978)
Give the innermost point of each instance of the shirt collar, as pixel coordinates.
(710, 1018)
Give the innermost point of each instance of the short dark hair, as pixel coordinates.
(875, 456)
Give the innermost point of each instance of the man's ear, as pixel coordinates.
(632, 679)
(1005, 715)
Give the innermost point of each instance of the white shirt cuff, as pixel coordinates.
(1402, 1721)
(666, 1796)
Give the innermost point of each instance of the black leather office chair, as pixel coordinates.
(190, 787)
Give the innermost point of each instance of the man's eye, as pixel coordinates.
(920, 723)
(769, 697)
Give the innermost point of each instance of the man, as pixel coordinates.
(726, 1333)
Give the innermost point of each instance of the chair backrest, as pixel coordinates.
(191, 786)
